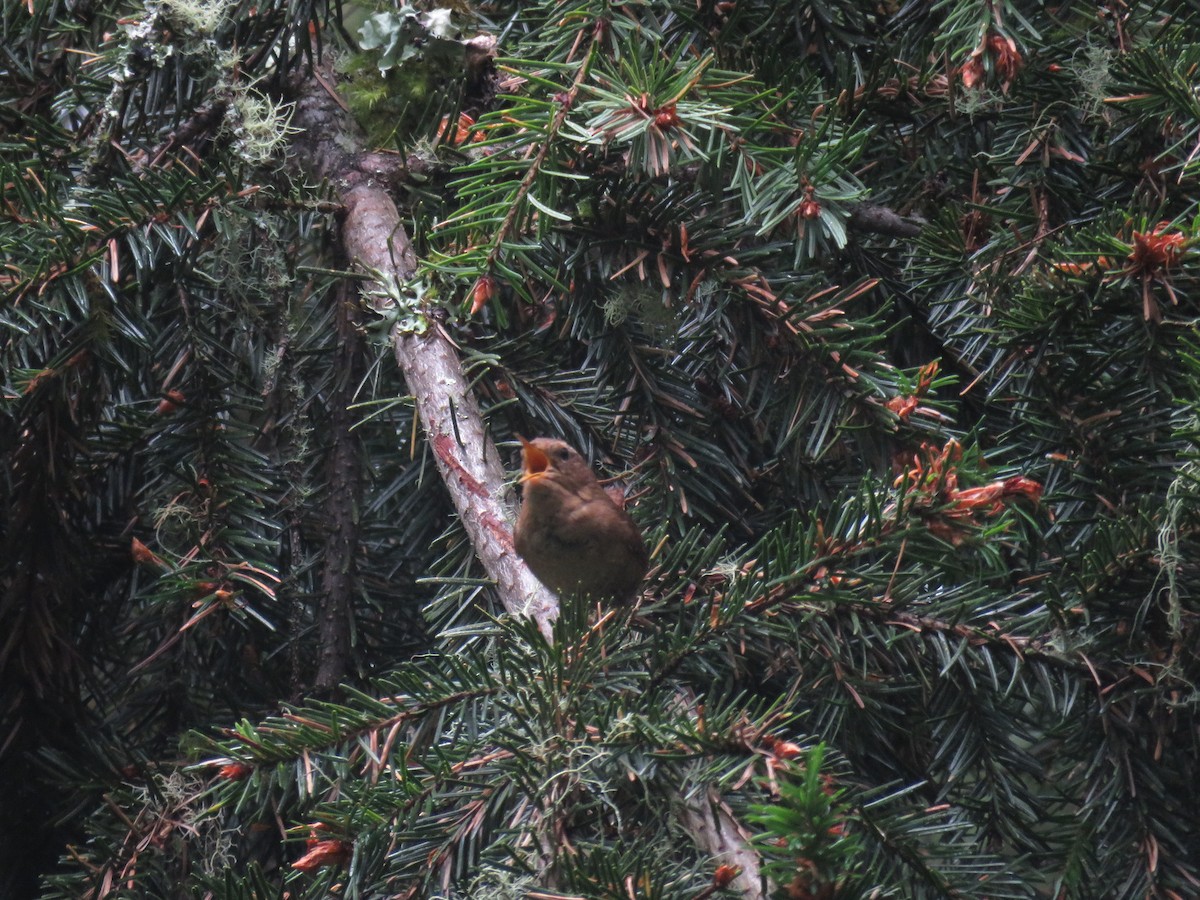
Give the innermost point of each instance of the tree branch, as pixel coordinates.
(876, 219)
(343, 493)
(374, 237)
(714, 829)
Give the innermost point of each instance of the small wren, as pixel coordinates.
(576, 540)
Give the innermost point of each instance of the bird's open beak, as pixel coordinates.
(536, 462)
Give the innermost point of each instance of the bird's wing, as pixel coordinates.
(582, 512)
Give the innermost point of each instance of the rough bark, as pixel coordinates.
(712, 826)
(343, 493)
(374, 238)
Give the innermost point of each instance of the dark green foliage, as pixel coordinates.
(808, 823)
(923, 498)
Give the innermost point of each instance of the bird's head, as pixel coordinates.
(553, 461)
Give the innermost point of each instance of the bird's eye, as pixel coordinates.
(563, 454)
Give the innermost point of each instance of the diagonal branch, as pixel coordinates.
(374, 237)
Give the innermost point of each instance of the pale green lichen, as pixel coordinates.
(178, 802)
(403, 305)
(259, 125)
(197, 18)
(640, 301)
(1182, 496)
(1094, 72)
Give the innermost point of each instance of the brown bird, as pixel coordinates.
(574, 537)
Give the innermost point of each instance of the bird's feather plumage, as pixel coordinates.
(575, 539)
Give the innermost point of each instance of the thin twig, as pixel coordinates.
(535, 166)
